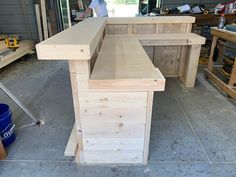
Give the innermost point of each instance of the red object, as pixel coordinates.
(225, 3)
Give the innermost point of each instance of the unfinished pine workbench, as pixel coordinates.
(211, 71)
(113, 80)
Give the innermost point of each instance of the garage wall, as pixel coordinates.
(18, 17)
(176, 3)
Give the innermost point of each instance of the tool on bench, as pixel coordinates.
(12, 41)
(27, 111)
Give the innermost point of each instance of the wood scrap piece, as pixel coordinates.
(3, 154)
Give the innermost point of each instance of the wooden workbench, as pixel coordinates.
(25, 47)
(113, 80)
(230, 87)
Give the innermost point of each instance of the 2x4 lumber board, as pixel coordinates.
(170, 39)
(75, 94)
(44, 19)
(24, 48)
(71, 147)
(151, 20)
(115, 130)
(113, 114)
(232, 80)
(39, 25)
(148, 126)
(183, 56)
(112, 99)
(123, 65)
(94, 157)
(76, 43)
(223, 33)
(3, 154)
(113, 144)
(210, 61)
(220, 84)
(79, 66)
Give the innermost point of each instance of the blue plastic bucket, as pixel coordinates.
(7, 133)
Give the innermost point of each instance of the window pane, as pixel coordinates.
(122, 8)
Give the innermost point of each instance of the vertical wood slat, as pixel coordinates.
(210, 61)
(183, 55)
(39, 25)
(78, 68)
(148, 126)
(75, 93)
(44, 17)
(232, 80)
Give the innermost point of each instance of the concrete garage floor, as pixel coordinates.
(193, 130)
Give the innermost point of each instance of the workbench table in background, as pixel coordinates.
(113, 79)
(211, 72)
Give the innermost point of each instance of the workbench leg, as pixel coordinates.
(191, 66)
(3, 154)
(77, 68)
(210, 61)
(232, 80)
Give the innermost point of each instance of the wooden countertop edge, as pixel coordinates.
(223, 33)
(75, 43)
(148, 20)
(127, 85)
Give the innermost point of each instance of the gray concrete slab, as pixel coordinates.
(212, 116)
(226, 169)
(45, 89)
(172, 139)
(56, 169)
(191, 128)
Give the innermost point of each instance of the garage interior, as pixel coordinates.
(192, 129)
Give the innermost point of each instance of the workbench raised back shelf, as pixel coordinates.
(113, 79)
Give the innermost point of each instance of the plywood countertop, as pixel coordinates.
(122, 64)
